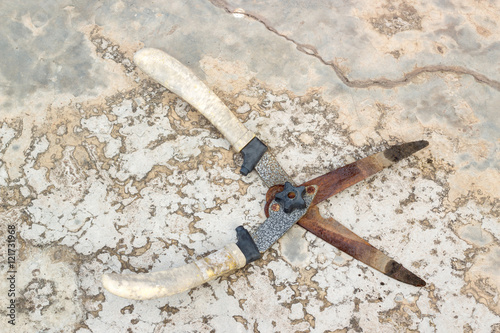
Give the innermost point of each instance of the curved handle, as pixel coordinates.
(175, 280)
(180, 80)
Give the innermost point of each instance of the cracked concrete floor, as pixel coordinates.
(103, 170)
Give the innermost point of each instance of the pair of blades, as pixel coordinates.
(338, 235)
(286, 204)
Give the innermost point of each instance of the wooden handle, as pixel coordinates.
(175, 280)
(180, 80)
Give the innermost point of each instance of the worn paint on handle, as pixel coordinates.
(175, 280)
(169, 72)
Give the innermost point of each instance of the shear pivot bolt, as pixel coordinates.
(275, 207)
(291, 198)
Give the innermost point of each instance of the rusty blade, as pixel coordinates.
(347, 241)
(338, 180)
(350, 174)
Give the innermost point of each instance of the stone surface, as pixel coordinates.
(102, 170)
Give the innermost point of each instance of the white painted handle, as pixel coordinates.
(180, 80)
(175, 280)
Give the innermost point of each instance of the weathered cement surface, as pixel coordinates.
(102, 170)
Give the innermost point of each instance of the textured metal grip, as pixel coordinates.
(180, 80)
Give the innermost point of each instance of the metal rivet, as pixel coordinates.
(275, 207)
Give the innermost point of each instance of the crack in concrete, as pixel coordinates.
(378, 82)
